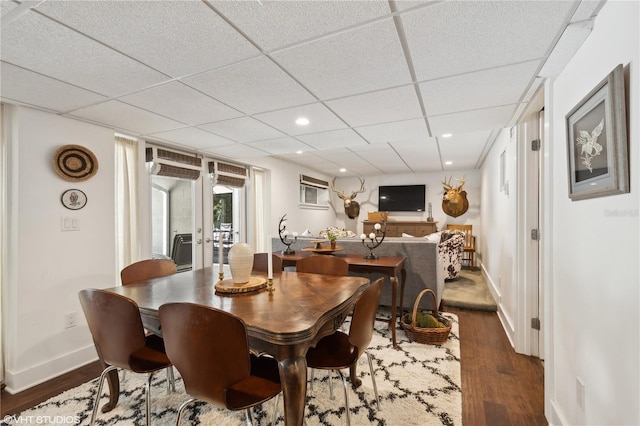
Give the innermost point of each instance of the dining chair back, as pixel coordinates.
(147, 269)
(323, 264)
(260, 262)
(210, 349)
(339, 350)
(120, 340)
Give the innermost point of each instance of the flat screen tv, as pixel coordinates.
(401, 198)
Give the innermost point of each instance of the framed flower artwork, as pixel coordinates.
(597, 141)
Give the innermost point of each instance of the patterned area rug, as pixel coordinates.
(418, 385)
(469, 291)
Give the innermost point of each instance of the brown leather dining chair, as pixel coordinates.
(260, 262)
(339, 350)
(210, 349)
(323, 264)
(147, 269)
(118, 334)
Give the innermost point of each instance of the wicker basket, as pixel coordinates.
(430, 336)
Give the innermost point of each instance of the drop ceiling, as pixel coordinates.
(379, 81)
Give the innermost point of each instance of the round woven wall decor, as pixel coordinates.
(75, 163)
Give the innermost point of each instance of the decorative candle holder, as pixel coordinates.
(430, 218)
(284, 235)
(220, 276)
(270, 287)
(374, 241)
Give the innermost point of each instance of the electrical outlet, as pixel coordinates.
(580, 393)
(70, 320)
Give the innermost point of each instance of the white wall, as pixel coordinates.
(497, 239)
(369, 198)
(594, 289)
(47, 267)
(285, 198)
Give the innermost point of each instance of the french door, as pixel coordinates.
(198, 211)
(176, 217)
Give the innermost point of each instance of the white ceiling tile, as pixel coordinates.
(187, 105)
(383, 157)
(419, 157)
(280, 146)
(117, 114)
(333, 139)
(252, 86)
(357, 61)
(460, 36)
(175, 37)
(395, 104)
(192, 136)
(273, 24)
(412, 131)
(31, 88)
(320, 119)
(344, 158)
(237, 152)
(243, 129)
(41, 45)
(463, 149)
(7, 6)
(469, 121)
(494, 87)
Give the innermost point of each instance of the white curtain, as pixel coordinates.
(127, 207)
(258, 190)
(2, 210)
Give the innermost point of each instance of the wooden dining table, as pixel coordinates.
(283, 323)
(390, 266)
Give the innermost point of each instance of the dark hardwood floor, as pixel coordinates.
(499, 387)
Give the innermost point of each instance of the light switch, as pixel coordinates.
(70, 223)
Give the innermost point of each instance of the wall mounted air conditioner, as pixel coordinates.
(228, 174)
(173, 164)
(315, 182)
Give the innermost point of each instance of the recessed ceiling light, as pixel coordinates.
(298, 152)
(448, 163)
(342, 170)
(446, 135)
(302, 121)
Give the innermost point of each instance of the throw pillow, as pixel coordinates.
(407, 235)
(435, 237)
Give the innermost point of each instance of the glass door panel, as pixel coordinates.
(172, 220)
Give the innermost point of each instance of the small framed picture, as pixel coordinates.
(73, 199)
(597, 141)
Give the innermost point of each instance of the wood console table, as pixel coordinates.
(390, 266)
(396, 228)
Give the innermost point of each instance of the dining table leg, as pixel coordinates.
(293, 377)
(394, 304)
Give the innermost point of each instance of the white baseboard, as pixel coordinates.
(505, 319)
(17, 381)
(555, 417)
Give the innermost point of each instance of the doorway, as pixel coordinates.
(172, 220)
(529, 336)
(228, 220)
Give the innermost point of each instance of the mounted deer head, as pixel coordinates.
(351, 207)
(454, 201)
